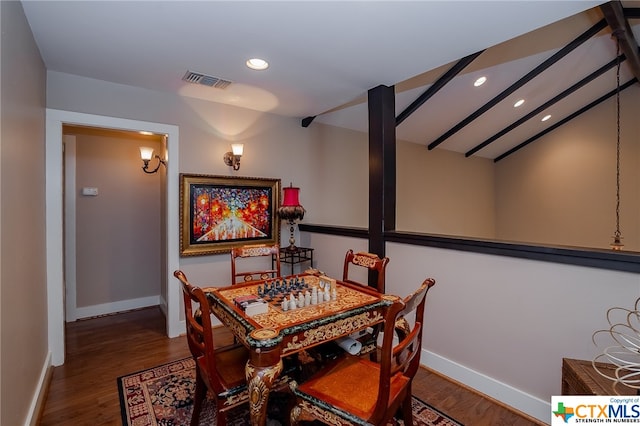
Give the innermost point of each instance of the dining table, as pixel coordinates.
(292, 321)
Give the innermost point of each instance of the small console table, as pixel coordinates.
(580, 378)
(294, 257)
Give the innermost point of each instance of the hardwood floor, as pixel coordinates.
(84, 391)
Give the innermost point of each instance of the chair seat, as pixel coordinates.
(350, 384)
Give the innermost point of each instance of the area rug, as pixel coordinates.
(162, 396)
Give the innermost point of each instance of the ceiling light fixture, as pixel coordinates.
(518, 103)
(257, 64)
(480, 81)
(546, 117)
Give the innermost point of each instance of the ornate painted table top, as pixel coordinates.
(347, 299)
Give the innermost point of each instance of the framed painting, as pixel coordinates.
(220, 212)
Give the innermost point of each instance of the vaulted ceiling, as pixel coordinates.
(325, 56)
(561, 70)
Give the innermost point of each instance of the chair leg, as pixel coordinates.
(294, 416)
(199, 395)
(299, 415)
(407, 411)
(221, 418)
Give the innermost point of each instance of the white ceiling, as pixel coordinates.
(324, 55)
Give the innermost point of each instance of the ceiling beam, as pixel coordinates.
(566, 119)
(614, 14)
(588, 79)
(435, 87)
(595, 29)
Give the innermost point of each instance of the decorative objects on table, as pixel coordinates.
(232, 158)
(146, 154)
(291, 211)
(220, 212)
(624, 351)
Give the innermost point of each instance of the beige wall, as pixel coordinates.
(561, 189)
(500, 325)
(23, 290)
(442, 192)
(118, 232)
(558, 190)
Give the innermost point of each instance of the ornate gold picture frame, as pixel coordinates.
(220, 212)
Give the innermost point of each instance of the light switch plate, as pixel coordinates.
(89, 191)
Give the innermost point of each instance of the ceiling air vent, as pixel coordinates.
(206, 80)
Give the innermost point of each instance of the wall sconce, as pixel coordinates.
(232, 158)
(146, 153)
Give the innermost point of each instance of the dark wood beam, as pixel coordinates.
(615, 17)
(307, 120)
(566, 119)
(595, 29)
(382, 166)
(546, 105)
(435, 87)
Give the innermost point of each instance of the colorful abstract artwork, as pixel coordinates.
(219, 213)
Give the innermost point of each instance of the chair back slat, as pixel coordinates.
(403, 357)
(372, 262)
(252, 251)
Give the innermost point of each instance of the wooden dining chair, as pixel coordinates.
(255, 251)
(355, 390)
(370, 263)
(366, 261)
(220, 370)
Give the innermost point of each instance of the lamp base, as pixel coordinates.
(292, 239)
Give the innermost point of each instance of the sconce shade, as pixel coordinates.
(237, 148)
(146, 153)
(232, 158)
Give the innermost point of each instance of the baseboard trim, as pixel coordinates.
(119, 306)
(40, 394)
(486, 385)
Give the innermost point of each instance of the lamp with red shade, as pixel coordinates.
(291, 211)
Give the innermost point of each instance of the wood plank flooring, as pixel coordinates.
(84, 391)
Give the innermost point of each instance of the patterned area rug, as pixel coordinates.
(161, 396)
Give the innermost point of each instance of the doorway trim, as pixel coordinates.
(55, 222)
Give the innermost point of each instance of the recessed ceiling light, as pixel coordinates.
(546, 117)
(257, 64)
(480, 81)
(518, 103)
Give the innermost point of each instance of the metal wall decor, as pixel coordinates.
(623, 350)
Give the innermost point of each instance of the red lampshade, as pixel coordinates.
(291, 197)
(290, 209)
